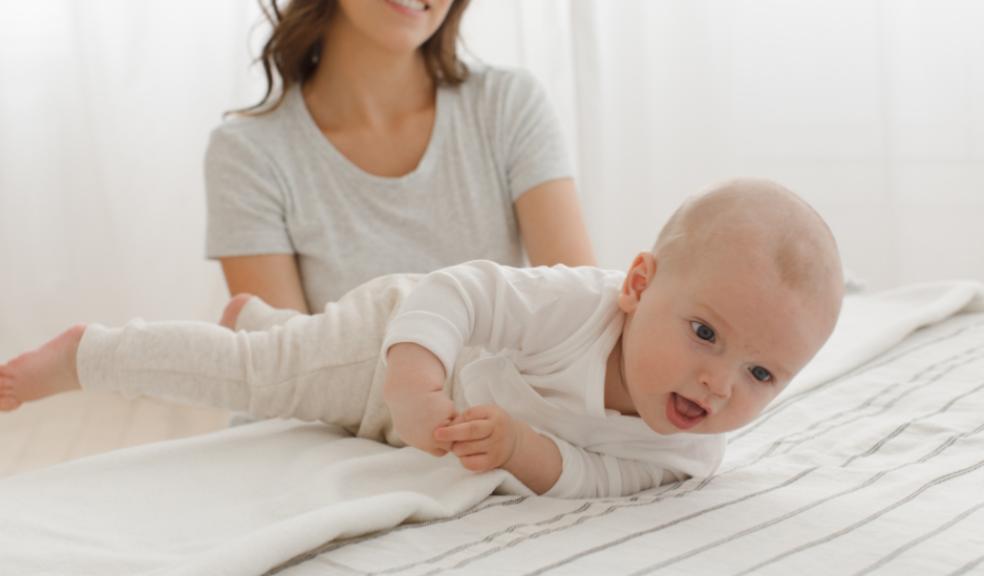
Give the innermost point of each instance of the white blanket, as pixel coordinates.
(247, 500)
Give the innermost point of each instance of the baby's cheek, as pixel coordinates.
(741, 410)
(754, 406)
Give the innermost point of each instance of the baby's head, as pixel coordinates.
(740, 291)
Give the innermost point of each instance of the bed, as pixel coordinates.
(872, 462)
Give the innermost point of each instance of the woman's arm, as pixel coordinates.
(552, 226)
(273, 277)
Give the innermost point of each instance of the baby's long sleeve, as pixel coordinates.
(587, 474)
(549, 333)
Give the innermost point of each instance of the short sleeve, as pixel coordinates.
(530, 141)
(497, 308)
(246, 208)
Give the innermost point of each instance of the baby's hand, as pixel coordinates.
(483, 437)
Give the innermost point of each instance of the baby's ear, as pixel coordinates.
(638, 277)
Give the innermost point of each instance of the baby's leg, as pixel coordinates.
(324, 367)
(52, 368)
(251, 313)
(232, 310)
(246, 312)
(40, 373)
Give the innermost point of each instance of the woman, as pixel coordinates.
(383, 153)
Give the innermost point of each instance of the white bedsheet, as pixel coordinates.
(858, 469)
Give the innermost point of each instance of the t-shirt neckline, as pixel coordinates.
(321, 142)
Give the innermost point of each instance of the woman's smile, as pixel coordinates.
(409, 7)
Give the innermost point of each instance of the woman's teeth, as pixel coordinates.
(411, 4)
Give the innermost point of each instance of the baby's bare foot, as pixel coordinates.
(39, 373)
(231, 313)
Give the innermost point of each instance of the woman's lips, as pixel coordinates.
(683, 413)
(410, 8)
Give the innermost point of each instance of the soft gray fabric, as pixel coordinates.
(276, 185)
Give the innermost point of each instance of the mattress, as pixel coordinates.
(879, 471)
(871, 462)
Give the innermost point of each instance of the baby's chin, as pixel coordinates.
(660, 425)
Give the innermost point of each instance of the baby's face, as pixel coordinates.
(705, 349)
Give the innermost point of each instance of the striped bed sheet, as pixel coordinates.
(878, 471)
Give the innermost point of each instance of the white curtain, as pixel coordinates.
(105, 110)
(871, 109)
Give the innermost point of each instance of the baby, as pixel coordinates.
(580, 382)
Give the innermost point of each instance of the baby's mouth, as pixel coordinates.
(683, 412)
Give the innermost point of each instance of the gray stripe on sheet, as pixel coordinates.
(834, 535)
(491, 537)
(779, 519)
(702, 484)
(769, 523)
(876, 363)
(716, 507)
(916, 541)
(932, 454)
(585, 506)
(645, 502)
(333, 564)
(969, 355)
(768, 452)
(966, 568)
(333, 544)
(903, 427)
(784, 440)
(758, 527)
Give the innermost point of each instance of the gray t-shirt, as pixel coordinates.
(276, 185)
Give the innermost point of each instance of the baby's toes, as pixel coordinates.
(8, 399)
(8, 403)
(230, 315)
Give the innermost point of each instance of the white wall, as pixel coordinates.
(105, 110)
(871, 109)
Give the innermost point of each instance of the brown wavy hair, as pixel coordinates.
(291, 53)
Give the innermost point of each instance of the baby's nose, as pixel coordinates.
(719, 382)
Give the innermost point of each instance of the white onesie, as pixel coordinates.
(534, 341)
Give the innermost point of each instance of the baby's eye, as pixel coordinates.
(760, 374)
(703, 331)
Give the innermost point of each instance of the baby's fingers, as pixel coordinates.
(471, 448)
(477, 462)
(464, 431)
(481, 412)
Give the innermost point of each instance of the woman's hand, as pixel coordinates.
(483, 437)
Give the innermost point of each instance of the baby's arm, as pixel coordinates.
(497, 308)
(486, 437)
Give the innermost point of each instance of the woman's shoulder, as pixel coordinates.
(264, 131)
(500, 84)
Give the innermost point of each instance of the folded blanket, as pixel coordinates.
(250, 499)
(236, 502)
